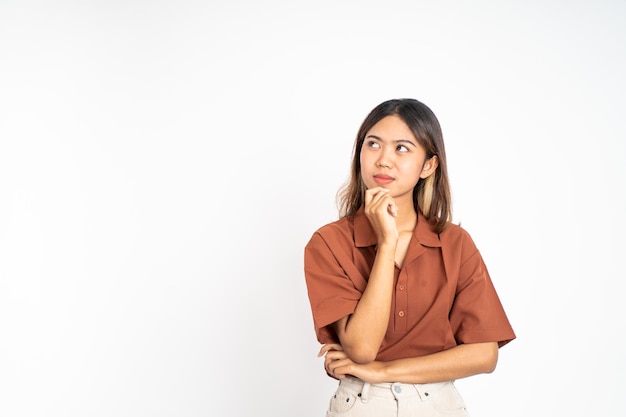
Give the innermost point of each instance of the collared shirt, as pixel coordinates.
(443, 295)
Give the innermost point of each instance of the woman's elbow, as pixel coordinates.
(490, 358)
(361, 354)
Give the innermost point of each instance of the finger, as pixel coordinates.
(335, 355)
(378, 203)
(372, 193)
(375, 190)
(339, 367)
(383, 204)
(342, 371)
(329, 347)
(392, 209)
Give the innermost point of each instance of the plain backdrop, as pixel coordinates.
(163, 164)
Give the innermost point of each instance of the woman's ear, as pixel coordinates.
(429, 167)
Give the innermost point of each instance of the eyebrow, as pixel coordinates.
(395, 141)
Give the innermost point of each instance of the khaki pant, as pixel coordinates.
(356, 398)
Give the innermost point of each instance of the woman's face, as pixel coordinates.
(392, 158)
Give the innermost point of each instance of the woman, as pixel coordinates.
(401, 299)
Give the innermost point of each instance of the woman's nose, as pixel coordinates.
(384, 160)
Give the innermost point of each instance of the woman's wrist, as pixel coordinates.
(389, 244)
(381, 372)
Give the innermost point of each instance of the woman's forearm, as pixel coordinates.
(455, 363)
(362, 332)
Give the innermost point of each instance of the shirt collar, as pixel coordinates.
(364, 233)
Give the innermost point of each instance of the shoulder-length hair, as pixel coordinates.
(431, 195)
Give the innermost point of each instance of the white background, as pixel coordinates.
(163, 164)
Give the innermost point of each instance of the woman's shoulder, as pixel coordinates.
(341, 226)
(455, 234)
(454, 229)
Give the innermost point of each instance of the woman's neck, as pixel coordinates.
(407, 217)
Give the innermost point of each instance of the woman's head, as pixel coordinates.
(431, 194)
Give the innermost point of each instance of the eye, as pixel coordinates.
(372, 144)
(402, 149)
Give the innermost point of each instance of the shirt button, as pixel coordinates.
(401, 287)
(401, 313)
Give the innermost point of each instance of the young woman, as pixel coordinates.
(401, 299)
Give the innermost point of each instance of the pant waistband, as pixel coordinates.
(392, 390)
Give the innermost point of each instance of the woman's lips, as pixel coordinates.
(383, 179)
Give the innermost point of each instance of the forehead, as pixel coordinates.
(391, 128)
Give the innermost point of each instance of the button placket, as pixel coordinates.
(402, 302)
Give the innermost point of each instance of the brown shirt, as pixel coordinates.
(443, 295)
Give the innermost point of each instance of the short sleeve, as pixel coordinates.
(477, 314)
(332, 294)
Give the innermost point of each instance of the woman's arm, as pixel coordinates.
(362, 332)
(458, 362)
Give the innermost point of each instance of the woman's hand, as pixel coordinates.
(381, 210)
(338, 365)
(332, 353)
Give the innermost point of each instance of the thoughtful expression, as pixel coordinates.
(392, 157)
